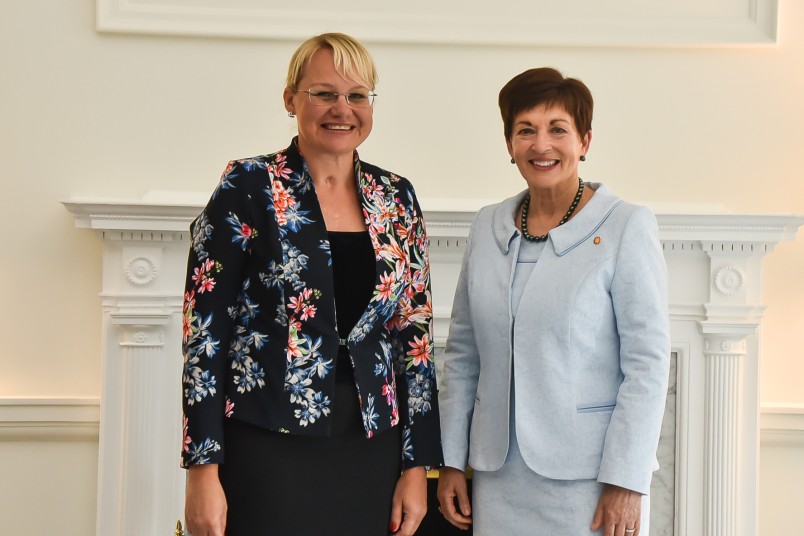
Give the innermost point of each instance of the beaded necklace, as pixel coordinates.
(526, 206)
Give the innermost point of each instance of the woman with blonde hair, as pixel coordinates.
(299, 420)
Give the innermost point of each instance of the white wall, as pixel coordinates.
(89, 114)
(48, 487)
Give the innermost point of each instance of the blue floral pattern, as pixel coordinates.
(259, 331)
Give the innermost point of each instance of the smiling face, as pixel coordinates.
(335, 129)
(547, 147)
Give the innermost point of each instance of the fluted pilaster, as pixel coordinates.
(724, 358)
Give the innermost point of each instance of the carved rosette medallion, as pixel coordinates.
(141, 270)
(729, 280)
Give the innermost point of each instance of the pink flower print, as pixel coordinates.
(198, 274)
(296, 303)
(282, 201)
(371, 189)
(187, 316)
(389, 393)
(206, 285)
(246, 230)
(392, 251)
(419, 282)
(308, 312)
(189, 301)
(404, 312)
(279, 167)
(423, 313)
(387, 212)
(229, 409)
(186, 328)
(201, 276)
(421, 242)
(420, 350)
(302, 304)
(293, 349)
(186, 439)
(385, 290)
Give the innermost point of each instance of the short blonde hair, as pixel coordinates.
(352, 60)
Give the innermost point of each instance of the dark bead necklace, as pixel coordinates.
(526, 206)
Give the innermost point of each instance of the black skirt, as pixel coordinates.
(284, 485)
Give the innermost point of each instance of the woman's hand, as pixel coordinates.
(452, 486)
(618, 512)
(410, 502)
(205, 502)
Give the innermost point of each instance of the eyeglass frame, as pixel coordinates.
(370, 96)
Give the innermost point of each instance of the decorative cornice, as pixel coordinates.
(156, 211)
(736, 228)
(162, 211)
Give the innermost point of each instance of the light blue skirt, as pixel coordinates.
(515, 501)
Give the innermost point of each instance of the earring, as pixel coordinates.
(583, 158)
(291, 114)
(512, 160)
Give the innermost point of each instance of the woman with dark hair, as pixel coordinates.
(556, 366)
(299, 420)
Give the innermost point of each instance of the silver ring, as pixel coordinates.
(630, 531)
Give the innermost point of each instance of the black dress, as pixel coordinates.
(284, 485)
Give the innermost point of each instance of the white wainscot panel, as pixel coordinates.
(712, 427)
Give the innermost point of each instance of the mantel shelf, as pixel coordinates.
(163, 211)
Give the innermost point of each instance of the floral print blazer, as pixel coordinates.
(259, 332)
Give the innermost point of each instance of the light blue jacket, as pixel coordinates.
(589, 349)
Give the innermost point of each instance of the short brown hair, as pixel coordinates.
(547, 86)
(352, 60)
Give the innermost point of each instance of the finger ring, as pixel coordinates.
(630, 531)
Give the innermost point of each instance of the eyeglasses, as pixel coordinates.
(355, 99)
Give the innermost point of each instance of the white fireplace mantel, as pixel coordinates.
(715, 265)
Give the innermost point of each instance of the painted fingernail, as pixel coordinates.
(394, 527)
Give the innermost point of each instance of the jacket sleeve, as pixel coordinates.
(639, 298)
(416, 384)
(220, 238)
(458, 385)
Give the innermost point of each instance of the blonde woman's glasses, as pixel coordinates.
(325, 97)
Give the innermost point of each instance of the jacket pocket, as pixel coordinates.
(593, 408)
